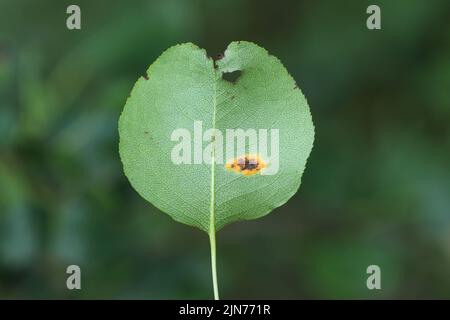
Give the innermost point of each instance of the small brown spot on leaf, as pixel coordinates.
(145, 76)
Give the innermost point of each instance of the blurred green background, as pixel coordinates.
(376, 189)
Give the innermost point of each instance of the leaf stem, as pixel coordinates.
(212, 241)
(212, 214)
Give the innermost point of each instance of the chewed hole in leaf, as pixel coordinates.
(232, 77)
(246, 165)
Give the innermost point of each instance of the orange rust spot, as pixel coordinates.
(246, 165)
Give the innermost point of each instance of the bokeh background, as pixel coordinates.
(376, 189)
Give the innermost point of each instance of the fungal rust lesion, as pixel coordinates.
(246, 165)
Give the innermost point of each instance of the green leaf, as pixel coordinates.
(183, 87)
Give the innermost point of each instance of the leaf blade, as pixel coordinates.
(185, 86)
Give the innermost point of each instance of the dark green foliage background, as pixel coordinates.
(376, 189)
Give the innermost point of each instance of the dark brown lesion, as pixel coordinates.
(246, 165)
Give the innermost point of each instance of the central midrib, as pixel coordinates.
(212, 222)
